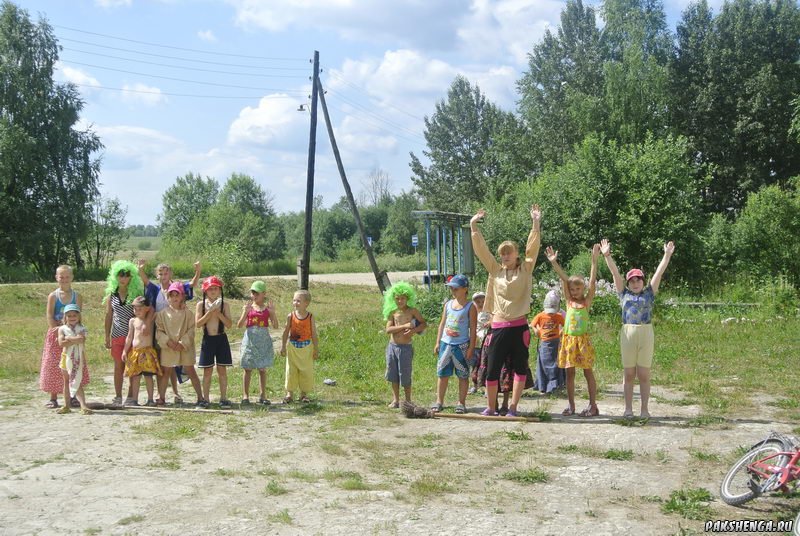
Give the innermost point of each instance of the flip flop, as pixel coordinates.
(394, 405)
(288, 399)
(568, 412)
(305, 400)
(591, 411)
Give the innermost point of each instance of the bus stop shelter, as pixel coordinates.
(447, 236)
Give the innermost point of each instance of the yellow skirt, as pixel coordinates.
(141, 360)
(576, 351)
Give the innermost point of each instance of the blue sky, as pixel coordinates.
(245, 64)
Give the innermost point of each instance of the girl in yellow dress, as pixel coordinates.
(576, 350)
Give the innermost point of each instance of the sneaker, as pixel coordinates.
(472, 390)
(199, 403)
(225, 404)
(205, 404)
(116, 401)
(151, 403)
(264, 401)
(461, 409)
(489, 413)
(131, 402)
(245, 402)
(436, 407)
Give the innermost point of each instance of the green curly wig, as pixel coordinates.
(401, 288)
(135, 287)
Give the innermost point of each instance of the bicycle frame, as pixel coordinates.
(776, 477)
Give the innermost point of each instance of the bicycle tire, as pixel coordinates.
(735, 489)
(796, 528)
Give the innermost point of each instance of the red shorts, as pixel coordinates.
(117, 346)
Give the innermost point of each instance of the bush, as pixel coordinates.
(144, 245)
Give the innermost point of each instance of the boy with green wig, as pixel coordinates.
(402, 322)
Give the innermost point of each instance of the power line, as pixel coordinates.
(179, 48)
(184, 67)
(169, 94)
(183, 79)
(364, 92)
(376, 116)
(376, 125)
(207, 62)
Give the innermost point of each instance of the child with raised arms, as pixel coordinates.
(257, 352)
(50, 377)
(576, 350)
(75, 372)
(636, 339)
(214, 316)
(455, 342)
(139, 354)
(403, 321)
(175, 336)
(303, 349)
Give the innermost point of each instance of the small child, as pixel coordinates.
(576, 349)
(482, 328)
(403, 321)
(50, 377)
(75, 373)
(175, 336)
(547, 326)
(455, 342)
(139, 354)
(636, 338)
(257, 351)
(303, 349)
(214, 316)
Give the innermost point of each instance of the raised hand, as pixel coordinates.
(197, 267)
(669, 248)
(478, 216)
(595, 251)
(605, 247)
(551, 253)
(140, 264)
(536, 213)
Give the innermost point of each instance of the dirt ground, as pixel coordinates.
(353, 468)
(280, 472)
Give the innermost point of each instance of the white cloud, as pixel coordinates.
(76, 76)
(107, 4)
(275, 122)
(207, 35)
(142, 94)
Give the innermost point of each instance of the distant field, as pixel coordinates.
(145, 246)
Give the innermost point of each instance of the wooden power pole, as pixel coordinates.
(303, 264)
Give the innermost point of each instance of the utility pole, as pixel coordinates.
(380, 277)
(303, 264)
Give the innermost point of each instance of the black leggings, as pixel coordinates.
(505, 342)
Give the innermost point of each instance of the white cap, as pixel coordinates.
(552, 302)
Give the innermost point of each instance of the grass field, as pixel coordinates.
(720, 366)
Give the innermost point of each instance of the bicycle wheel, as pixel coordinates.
(741, 485)
(796, 527)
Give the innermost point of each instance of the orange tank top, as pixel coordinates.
(300, 330)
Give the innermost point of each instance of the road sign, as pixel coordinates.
(414, 240)
(369, 241)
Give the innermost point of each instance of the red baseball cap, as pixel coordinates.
(212, 281)
(177, 286)
(635, 272)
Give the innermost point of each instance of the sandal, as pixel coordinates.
(161, 402)
(503, 411)
(264, 401)
(287, 399)
(87, 411)
(489, 413)
(568, 412)
(436, 407)
(628, 414)
(305, 400)
(245, 402)
(591, 411)
(52, 404)
(73, 403)
(511, 413)
(394, 405)
(460, 409)
(64, 410)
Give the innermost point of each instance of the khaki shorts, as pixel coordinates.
(171, 358)
(636, 341)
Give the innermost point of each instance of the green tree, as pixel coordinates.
(400, 225)
(188, 199)
(48, 174)
(243, 194)
(733, 79)
(107, 232)
(458, 136)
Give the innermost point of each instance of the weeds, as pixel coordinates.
(274, 488)
(690, 503)
(532, 475)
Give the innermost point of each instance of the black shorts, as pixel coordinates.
(508, 343)
(215, 347)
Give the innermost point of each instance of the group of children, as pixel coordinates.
(489, 335)
(149, 331)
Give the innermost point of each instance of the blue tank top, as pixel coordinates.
(58, 310)
(456, 325)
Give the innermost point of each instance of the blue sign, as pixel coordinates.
(414, 240)
(369, 241)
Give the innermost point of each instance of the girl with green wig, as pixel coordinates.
(123, 285)
(403, 321)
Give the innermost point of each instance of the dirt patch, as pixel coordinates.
(364, 470)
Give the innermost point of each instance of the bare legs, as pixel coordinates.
(208, 372)
(631, 374)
